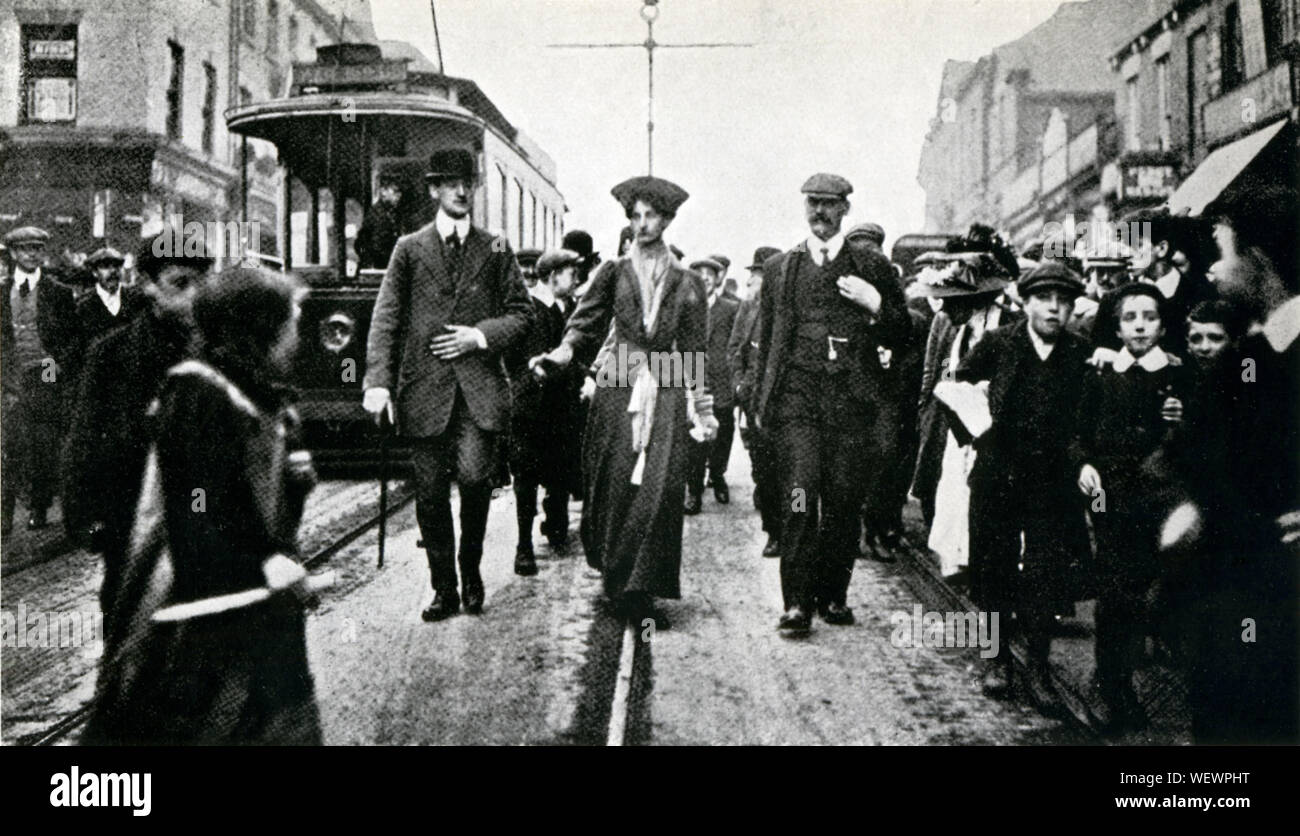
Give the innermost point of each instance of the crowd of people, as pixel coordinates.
(1118, 426)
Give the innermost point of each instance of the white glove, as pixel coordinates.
(1089, 480)
(284, 573)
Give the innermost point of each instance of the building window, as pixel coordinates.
(1162, 101)
(1233, 60)
(1196, 91)
(250, 19)
(293, 37)
(175, 90)
(505, 202)
(49, 74)
(1275, 13)
(209, 106)
(272, 27)
(533, 218)
(519, 229)
(1134, 112)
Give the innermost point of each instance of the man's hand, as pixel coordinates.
(860, 292)
(377, 402)
(588, 388)
(283, 573)
(457, 342)
(1089, 480)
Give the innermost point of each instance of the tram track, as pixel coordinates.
(58, 731)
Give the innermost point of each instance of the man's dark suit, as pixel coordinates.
(714, 454)
(33, 407)
(742, 351)
(822, 418)
(453, 410)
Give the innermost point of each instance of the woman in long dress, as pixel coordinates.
(650, 398)
(224, 493)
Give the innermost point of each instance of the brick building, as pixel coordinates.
(111, 111)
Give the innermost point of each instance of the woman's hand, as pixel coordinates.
(558, 358)
(1089, 480)
(286, 574)
(1172, 410)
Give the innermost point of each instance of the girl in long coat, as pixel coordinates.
(635, 453)
(224, 490)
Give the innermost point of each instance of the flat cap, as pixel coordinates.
(761, 255)
(26, 235)
(450, 163)
(870, 231)
(554, 259)
(105, 255)
(828, 185)
(1050, 275)
(721, 259)
(664, 195)
(707, 261)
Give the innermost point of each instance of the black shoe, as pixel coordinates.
(773, 547)
(473, 595)
(557, 538)
(837, 614)
(721, 493)
(525, 563)
(795, 622)
(692, 506)
(443, 606)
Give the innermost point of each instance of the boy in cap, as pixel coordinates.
(108, 437)
(542, 443)
(825, 311)
(451, 303)
(741, 350)
(713, 455)
(37, 351)
(1026, 518)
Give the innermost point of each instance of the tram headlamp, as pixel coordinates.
(336, 331)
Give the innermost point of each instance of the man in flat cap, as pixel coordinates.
(741, 350)
(108, 436)
(110, 304)
(451, 303)
(543, 446)
(713, 455)
(37, 346)
(868, 235)
(1026, 522)
(825, 310)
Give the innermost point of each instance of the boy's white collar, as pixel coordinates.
(1153, 361)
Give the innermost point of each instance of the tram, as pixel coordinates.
(359, 115)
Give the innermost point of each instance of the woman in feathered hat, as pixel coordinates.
(649, 392)
(966, 280)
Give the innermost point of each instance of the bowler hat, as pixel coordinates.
(1050, 275)
(105, 255)
(761, 255)
(26, 235)
(664, 195)
(450, 163)
(827, 185)
(553, 260)
(580, 242)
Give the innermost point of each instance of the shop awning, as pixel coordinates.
(1219, 169)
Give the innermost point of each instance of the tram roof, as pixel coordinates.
(282, 119)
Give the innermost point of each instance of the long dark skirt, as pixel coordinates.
(633, 533)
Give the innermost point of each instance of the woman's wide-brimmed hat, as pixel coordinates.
(944, 275)
(664, 195)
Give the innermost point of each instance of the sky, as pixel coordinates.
(844, 86)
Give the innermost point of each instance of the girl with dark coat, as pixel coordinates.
(219, 513)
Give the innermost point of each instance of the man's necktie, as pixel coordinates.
(453, 249)
(826, 255)
(24, 288)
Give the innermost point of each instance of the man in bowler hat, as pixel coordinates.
(452, 302)
(825, 310)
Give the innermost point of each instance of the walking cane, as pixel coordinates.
(383, 483)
